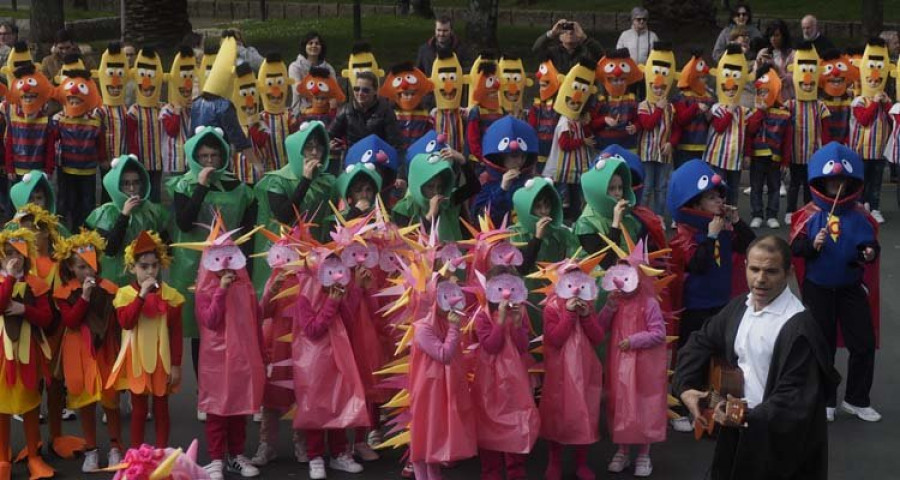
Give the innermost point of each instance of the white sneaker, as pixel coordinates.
(214, 469)
(201, 416)
(317, 469)
(103, 418)
(773, 223)
(264, 454)
(114, 457)
(863, 413)
(829, 414)
(747, 191)
(345, 463)
(68, 414)
(643, 467)
(682, 424)
(876, 214)
(257, 417)
(756, 222)
(787, 218)
(364, 452)
(782, 192)
(868, 209)
(300, 450)
(375, 439)
(241, 464)
(91, 461)
(618, 463)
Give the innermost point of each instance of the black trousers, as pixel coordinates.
(850, 305)
(764, 172)
(798, 181)
(77, 197)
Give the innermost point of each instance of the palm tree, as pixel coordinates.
(156, 22)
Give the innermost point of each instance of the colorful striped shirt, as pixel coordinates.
(625, 107)
(725, 150)
(279, 127)
(837, 125)
(477, 123)
(769, 139)
(567, 166)
(544, 119)
(28, 139)
(147, 136)
(173, 147)
(80, 142)
(651, 140)
(694, 128)
(892, 148)
(242, 167)
(450, 123)
(115, 123)
(868, 141)
(413, 125)
(807, 122)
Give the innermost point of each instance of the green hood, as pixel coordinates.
(294, 143)
(21, 192)
(595, 183)
(353, 171)
(112, 179)
(194, 167)
(523, 202)
(423, 168)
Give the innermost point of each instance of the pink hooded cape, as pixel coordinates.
(231, 370)
(573, 382)
(366, 341)
(279, 387)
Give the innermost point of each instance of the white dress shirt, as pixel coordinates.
(755, 341)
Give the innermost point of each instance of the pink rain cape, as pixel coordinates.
(279, 388)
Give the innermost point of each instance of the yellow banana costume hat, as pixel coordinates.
(805, 72)
(245, 97)
(575, 90)
(221, 75)
(361, 60)
(273, 83)
(148, 74)
(182, 76)
(659, 71)
(112, 75)
(874, 67)
(448, 79)
(731, 76)
(513, 82)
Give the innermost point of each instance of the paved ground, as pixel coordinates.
(858, 450)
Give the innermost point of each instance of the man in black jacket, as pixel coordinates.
(784, 360)
(565, 43)
(443, 39)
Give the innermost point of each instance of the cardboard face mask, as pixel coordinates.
(448, 80)
(450, 297)
(357, 255)
(280, 255)
(621, 278)
(273, 84)
(617, 73)
(406, 85)
(112, 75)
(181, 78)
(333, 272)
(805, 70)
(245, 96)
(548, 80)
(506, 254)
(659, 74)
(486, 86)
(361, 60)
(148, 74)
(836, 75)
(506, 287)
(731, 76)
(225, 257)
(320, 88)
(576, 284)
(574, 91)
(874, 68)
(512, 83)
(31, 90)
(693, 76)
(453, 257)
(768, 87)
(78, 95)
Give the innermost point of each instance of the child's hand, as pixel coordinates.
(625, 345)
(227, 279)
(716, 225)
(400, 184)
(869, 254)
(611, 122)
(583, 308)
(148, 285)
(337, 144)
(309, 168)
(336, 292)
(630, 129)
(589, 141)
(87, 288)
(203, 178)
(703, 107)
(364, 277)
(131, 204)
(508, 178)
(819, 241)
(15, 308)
(448, 153)
(541, 226)
(174, 378)
(733, 214)
(619, 212)
(13, 266)
(434, 206)
(572, 304)
(453, 317)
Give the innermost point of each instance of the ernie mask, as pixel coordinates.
(768, 86)
(30, 89)
(617, 71)
(549, 79)
(448, 80)
(731, 76)
(486, 86)
(837, 74)
(805, 70)
(406, 85)
(148, 74)
(693, 75)
(320, 88)
(78, 94)
(512, 83)
(574, 91)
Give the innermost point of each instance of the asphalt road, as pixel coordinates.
(858, 450)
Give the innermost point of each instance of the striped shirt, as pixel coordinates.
(651, 141)
(869, 141)
(695, 130)
(625, 107)
(567, 166)
(173, 147)
(242, 167)
(114, 127)
(726, 150)
(450, 123)
(147, 135)
(837, 125)
(413, 125)
(28, 137)
(80, 141)
(892, 148)
(807, 121)
(544, 119)
(769, 139)
(278, 126)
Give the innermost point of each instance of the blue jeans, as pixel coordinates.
(656, 184)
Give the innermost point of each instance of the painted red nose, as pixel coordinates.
(716, 180)
(381, 157)
(513, 145)
(442, 138)
(838, 168)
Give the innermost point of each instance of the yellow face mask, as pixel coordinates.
(448, 79)
(361, 60)
(805, 73)
(111, 74)
(148, 75)
(73, 62)
(574, 91)
(273, 84)
(874, 68)
(245, 97)
(659, 74)
(19, 55)
(512, 83)
(731, 76)
(181, 77)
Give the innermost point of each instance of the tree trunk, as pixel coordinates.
(156, 22)
(694, 21)
(481, 25)
(872, 17)
(422, 8)
(46, 19)
(357, 20)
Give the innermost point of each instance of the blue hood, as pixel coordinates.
(367, 149)
(508, 135)
(690, 180)
(835, 160)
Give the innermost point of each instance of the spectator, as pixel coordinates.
(312, 54)
(740, 16)
(63, 44)
(890, 37)
(810, 27)
(443, 38)
(366, 114)
(9, 35)
(245, 54)
(638, 39)
(565, 44)
(130, 53)
(779, 38)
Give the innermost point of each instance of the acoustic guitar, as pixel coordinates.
(724, 380)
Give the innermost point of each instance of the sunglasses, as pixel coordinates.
(742, 14)
(640, 19)
(362, 89)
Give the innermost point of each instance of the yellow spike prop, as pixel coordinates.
(395, 442)
(164, 469)
(400, 400)
(396, 369)
(404, 341)
(615, 248)
(287, 292)
(286, 338)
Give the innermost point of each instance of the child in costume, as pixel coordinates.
(112, 77)
(570, 409)
(836, 75)
(91, 341)
(506, 418)
(613, 115)
(539, 224)
(358, 186)
(405, 86)
(30, 142)
(81, 146)
(808, 115)
(144, 125)
(607, 189)
(770, 130)
(542, 116)
(434, 198)
(484, 105)
(175, 116)
(651, 226)
(572, 148)
(655, 121)
(373, 149)
(129, 212)
(231, 373)
(837, 242)
(692, 105)
(149, 361)
(24, 299)
(447, 117)
(636, 378)
(512, 86)
(510, 149)
(869, 122)
(273, 85)
(329, 392)
(726, 142)
(320, 89)
(34, 188)
(245, 97)
(207, 187)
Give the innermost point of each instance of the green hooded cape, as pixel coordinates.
(284, 182)
(350, 174)
(147, 216)
(20, 193)
(414, 205)
(232, 205)
(597, 215)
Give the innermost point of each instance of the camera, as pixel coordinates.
(568, 26)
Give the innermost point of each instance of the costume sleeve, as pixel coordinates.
(115, 237)
(755, 122)
(824, 113)
(283, 207)
(532, 116)
(685, 113)
(529, 256)
(693, 359)
(568, 142)
(188, 209)
(864, 114)
(210, 309)
(590, 242)
(469, 189)
(441, 351)
(722, 122)
(802, 247)
(176, 341)
(473, 133)
(39, 313)
(701, 256)
(607, 314)
(7, 285)
(315, 323)
(558, 324)
(171, 122)
(742, 235)
(519, 335)
(655, 334)
(648, 119)
(591, 326)
(72, 315)
(490, 334)
(129, 314)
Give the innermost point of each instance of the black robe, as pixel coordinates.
(787, 434)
